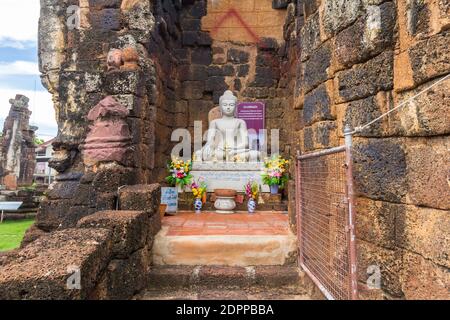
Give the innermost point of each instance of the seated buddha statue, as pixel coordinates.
(227, 137)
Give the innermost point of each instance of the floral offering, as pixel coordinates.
(199, 193)
(199, 189)
(251, 190)
(180, 172)
(275, 171)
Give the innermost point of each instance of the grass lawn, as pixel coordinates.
(12, 232)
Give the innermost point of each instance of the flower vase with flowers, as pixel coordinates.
(179, 173)
(252, 191)
(275, 173)
(199, 193)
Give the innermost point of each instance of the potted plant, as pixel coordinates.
(251, 190)
(179, 173)
(275, 173)
(199, 193)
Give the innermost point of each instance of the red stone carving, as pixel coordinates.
(109, 139)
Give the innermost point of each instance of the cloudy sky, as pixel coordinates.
(19, 64)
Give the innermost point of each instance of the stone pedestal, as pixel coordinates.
(225, 205)
(228, 175)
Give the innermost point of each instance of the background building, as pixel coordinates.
(43, 174)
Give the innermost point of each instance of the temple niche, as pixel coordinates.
(317, 65)
(17, 153)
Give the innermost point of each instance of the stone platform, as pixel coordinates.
(271, 202)
(263, 238)
(228, 175)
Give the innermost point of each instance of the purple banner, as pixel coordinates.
(254, 114)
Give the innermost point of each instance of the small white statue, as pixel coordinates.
(227, 138)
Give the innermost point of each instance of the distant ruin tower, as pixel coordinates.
(17, 153)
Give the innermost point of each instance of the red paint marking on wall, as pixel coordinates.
(233, 13)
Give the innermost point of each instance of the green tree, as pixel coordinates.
(38, 141)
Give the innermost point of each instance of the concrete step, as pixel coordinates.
(225, 283)
(210, 239)
(229, 250)
(225, 294)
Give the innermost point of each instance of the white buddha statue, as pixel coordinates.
(227, 138)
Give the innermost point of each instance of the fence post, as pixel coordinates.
(351, 213)
(298, 206)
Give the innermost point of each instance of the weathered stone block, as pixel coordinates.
(124, 278)
(216, 84)
(128, 229)
(101, 4)
(428, 158)
(365, 79)
(204, 39)
(280, 4)
(389, 262)
(367, 37)
(140, 18)
(190, 24)
(138, 107)
(106, 19)
(360, 112)
(64, 190)
(325, 135)
(243, 70)
(430, 58)
(310, 36)
(422, 279)
(124, 82)
(47, 267)
(74, 214)
(110, 177)
(193, 72)
(141, 197)
(375, 221)
(238, 56)
(198, 111)
(309, 7)
(317, 105)
(426, 115)
(308, 139)
(202, 56)
(192, 90)
(424, 231)
(51, 214)
(380, 169)
(337, 15)
(316, 69)
(227, 70)
(31, 234)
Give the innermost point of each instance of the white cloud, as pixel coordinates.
(19, 68)
(18, 21)
(15, 44)
(40, 104)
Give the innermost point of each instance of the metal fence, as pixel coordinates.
(325, 219)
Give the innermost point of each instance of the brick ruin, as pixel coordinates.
(17, 153)
(317, 64)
